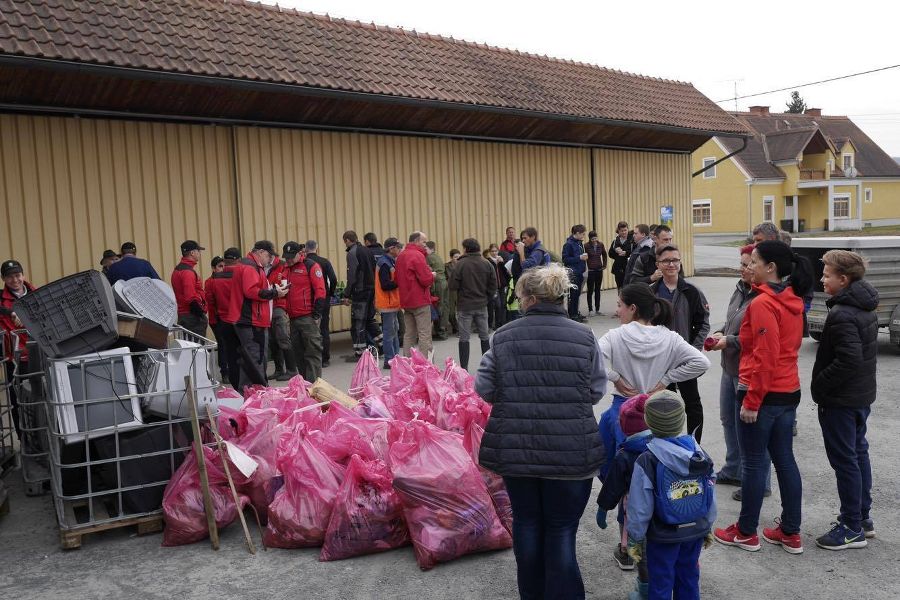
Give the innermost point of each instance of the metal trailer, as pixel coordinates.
(114, 476)
(34, 439)
(8, 454)
(883, 272)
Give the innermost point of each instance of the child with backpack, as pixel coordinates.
(618, 477)
(671, 502)
(843, 385)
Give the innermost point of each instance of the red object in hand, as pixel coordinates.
(710, 343)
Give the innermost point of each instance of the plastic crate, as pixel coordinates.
(150, 298)
(70, 316)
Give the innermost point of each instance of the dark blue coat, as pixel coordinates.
(543, 375)
(571, 255)
(130, 267)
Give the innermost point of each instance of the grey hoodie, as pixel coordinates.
(645, 355)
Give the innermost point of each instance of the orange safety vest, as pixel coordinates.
(386, 301)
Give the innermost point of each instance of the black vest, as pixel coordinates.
(542, 422)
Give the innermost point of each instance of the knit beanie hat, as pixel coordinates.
(664, 414)
(631, 415)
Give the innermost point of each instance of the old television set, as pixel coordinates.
(95, 394)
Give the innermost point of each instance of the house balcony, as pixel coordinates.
(812, 175)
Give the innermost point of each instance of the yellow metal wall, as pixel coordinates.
(299, 185)
(70, 188)
(632, 186)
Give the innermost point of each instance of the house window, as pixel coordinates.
(702, 213)
(830, 165)
(711, 173)
(848, 162)
(768, 208)
(842, 207)
(868, 195)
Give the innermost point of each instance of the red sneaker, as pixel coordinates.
(792, 544)
(732, 536)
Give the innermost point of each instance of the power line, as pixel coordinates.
(794, 87)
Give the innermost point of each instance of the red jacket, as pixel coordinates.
(414, 277)
(276, 276)
(187, 286)
(250, 301)
(306, 296)
(508, 246)
(770, 336)
(8, 323)
(218, 295)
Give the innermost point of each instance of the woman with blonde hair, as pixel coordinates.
(543, 374)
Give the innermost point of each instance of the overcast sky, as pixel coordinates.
(764, 45)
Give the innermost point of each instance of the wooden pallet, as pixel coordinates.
(70, 539)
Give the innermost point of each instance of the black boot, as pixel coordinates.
(485, 346)
(464, 355)
(290, 365)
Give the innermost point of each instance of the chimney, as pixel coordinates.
(759, 110)
(813, 112)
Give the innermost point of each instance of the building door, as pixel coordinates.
(788, 208)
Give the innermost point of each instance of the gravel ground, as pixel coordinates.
(117, 564)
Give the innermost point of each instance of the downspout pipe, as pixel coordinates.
(724, 158)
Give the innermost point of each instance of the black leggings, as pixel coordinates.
(594, 283)
(690, 393)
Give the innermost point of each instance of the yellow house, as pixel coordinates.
(804, 172)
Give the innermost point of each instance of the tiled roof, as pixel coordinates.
(787, 145)
(248, 41)
(775, 131)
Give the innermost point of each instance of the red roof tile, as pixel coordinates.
(239, 40)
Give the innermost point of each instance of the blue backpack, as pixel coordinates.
(682, 500)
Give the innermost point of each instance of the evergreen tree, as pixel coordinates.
(796, 105)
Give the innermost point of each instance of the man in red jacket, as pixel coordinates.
(218, 302)
(305, 303)
(414, 280)
(212, 313)
(14, 287)
(189, 290)
(280, 332)
(250, 311)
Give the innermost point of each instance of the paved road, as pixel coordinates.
(715, 257)
(117, 565)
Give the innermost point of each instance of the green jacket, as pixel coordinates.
(437, 265)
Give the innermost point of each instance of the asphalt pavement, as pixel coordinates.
(118, 564)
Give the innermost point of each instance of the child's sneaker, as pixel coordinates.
(792, 544)
(841, 538)
(732, 536)
(625, 562)
(868, 526)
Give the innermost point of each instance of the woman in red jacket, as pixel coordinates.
(768, 394)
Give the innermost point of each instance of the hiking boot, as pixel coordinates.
(276, 375)
(725, 480)
(732, 536)
(625, 562)
(792, 544)
(286, 376)
(737, 494)
(841, 538)
(868, 526)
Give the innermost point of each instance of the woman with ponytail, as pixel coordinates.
(768, 395)
(642, 356)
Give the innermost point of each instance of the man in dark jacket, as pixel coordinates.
(690, 319)
(331, 281)
(371, 241)
(188, 288)
(620, 251)
(529, 253)
(575, 258)
(474, 280)
(130, 266)
(360, 295)
(645, 269)
(844, 387)
(642, 246)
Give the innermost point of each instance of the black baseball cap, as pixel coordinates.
(190, 245)
(232, 254)
(128, 248)
(108, 254)
(265, 245)
(291, 249)
(216, 260)
(9, 267)
(392, 242)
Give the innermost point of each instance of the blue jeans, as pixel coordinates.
(546, 513)
(390, 325)
(773, 431)
(674, 569)
(730, 414)
(844, 432)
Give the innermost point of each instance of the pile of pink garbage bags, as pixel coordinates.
(400, 467)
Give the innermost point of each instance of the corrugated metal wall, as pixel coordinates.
(632, 186)
(306, 184)
(70, 188)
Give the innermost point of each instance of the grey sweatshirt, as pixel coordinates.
(645, 355)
